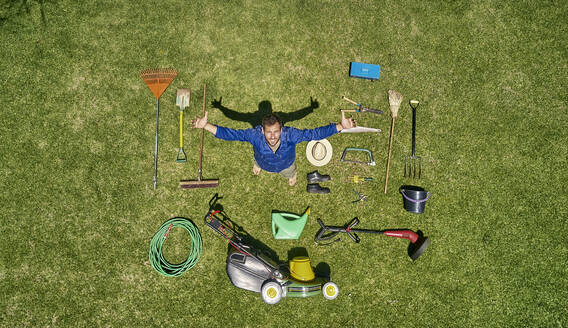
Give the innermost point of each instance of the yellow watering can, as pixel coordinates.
(288, 225)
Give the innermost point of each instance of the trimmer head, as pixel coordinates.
(416, 249)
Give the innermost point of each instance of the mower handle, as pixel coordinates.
(219, 225)
(212, 222)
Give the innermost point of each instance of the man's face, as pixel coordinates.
(272, 133)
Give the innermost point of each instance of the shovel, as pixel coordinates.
(411, 161)
(182, 101)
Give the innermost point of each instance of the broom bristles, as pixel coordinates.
(395, 99)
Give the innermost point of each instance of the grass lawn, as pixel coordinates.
(79, 209)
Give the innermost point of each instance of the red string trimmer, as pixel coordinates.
(418, 243)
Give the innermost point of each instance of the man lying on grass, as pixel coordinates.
(274, 144)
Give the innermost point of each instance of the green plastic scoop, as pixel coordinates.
(288, 225)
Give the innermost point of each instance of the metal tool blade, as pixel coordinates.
(182, 98)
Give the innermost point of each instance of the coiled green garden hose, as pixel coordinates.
(157, 259)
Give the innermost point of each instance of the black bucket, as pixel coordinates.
(414, 200)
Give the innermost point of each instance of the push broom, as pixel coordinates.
(395, 99)
(200, 183)
(158, 81)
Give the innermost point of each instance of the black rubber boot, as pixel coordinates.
(316, 177)
(315, 188)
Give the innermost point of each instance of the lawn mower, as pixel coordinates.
(251, 269)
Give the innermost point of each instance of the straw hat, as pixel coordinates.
(319, 152)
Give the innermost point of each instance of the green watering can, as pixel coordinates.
(288, 225)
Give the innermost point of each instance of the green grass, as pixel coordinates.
(77, 129)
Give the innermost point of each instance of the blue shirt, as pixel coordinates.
(286, 154)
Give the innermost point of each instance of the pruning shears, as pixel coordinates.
(361, 197)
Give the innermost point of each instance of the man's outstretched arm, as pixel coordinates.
(201, 123)
(323, 131)
(221, 132)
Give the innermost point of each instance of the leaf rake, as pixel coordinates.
(158, 80)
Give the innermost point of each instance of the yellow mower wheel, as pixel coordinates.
(330, 290)
(271, 292)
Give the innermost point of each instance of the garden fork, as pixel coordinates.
(412, 161)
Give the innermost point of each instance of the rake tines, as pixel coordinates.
(158, 79)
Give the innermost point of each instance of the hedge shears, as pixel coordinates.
(360, 108)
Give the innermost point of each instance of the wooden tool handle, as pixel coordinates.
(349, 100)
(202, 136)
(389, 157)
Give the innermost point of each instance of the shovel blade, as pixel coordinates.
(182, 98)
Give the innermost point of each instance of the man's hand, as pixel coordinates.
(346, 123)
(200, 122)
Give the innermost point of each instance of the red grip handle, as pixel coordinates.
(406, 234)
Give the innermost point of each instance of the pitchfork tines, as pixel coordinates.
(413, 163)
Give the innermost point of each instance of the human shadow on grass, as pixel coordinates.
(264, 108)
(242, 236)
(20, 7)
